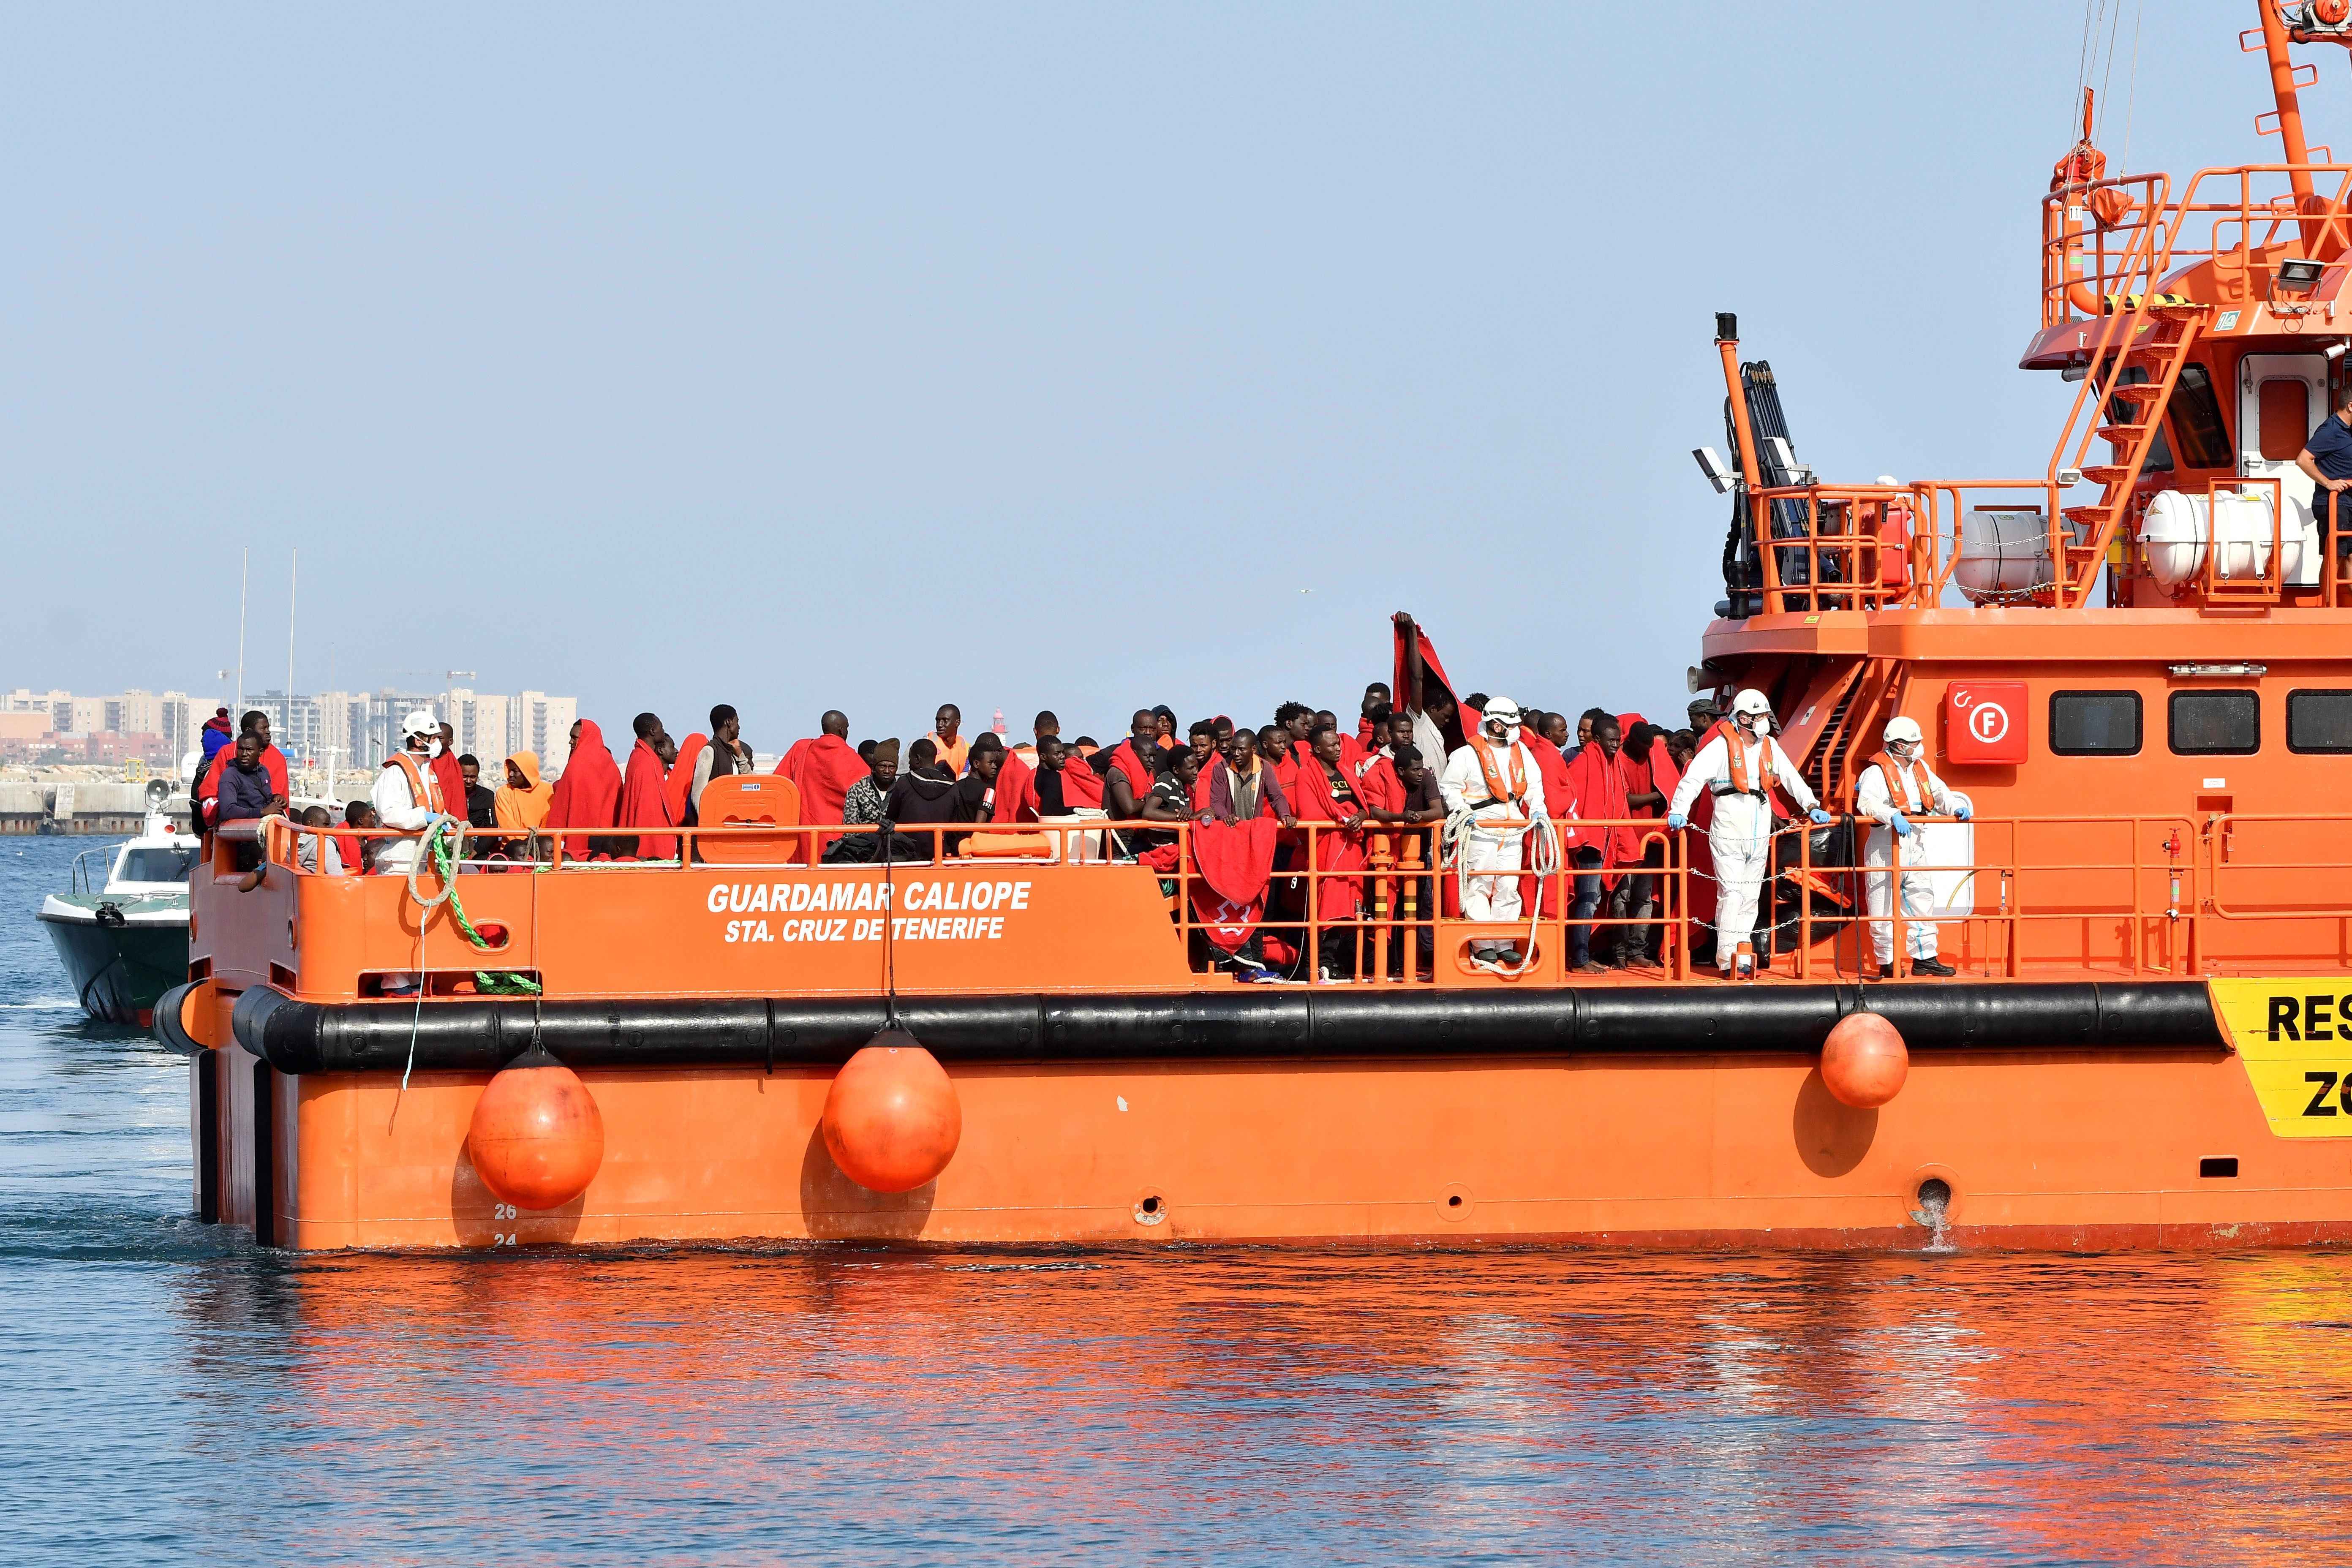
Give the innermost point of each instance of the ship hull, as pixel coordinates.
(1466, 1136)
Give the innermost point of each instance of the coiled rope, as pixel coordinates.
(438, 850)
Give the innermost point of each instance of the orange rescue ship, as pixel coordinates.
(1016, 1040)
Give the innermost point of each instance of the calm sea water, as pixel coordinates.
(168, 1392)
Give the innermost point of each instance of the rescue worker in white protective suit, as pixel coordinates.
(1494, 792)
(1738, 763)
(407, 796)
(1894, 787)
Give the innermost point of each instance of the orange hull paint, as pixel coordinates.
(2062, 1150)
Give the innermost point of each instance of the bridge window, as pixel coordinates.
(2319, 721)
(2197, 420)
(2094, 724)
(2216, 723)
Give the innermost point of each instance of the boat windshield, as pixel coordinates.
(155, 863)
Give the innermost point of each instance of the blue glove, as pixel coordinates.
(1677, 821)
(1902, 825)
(1964, 811)
(1821, 818)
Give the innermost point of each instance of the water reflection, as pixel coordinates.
(1003, 1406)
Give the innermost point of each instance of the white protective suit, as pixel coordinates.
(399, 809)
(1501, 848)
(1922, 793)
(1741, 833)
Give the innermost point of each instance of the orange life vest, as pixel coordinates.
(1735, 748)
(1496, 789)
(423, 788)
(1887, 770)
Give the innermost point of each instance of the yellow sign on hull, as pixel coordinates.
(2296, 1037)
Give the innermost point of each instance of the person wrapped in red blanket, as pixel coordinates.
(645, 790)
(1649, 780)
(589, 792)
(1597, 795)
(1171, 800)
(1326, 796)
(1239, 809)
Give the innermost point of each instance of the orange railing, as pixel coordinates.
(2090, 269)
(1828, 547)
(2125, 896)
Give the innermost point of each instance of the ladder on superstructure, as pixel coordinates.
(2156, 333)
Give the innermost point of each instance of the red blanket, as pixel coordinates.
(644, 802)
(681, 778)
(1233, 862)
(1336, 897)
(453, 784)
(589, 792)
(823, 767)
(1082, 787)
(1137, 771)
(1596, 793)
(1016, 791)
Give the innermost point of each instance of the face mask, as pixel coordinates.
(434, 750)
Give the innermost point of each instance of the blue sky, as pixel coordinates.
(1014, 355)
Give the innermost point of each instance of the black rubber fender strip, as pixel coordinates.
(167, 1025)
(1257, 1022)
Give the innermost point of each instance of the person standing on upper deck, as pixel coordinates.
(408, 793)
(1737, 765)
(1494, 783)
(1896, 786)
(824, 768)
(947, 739)
(2327, 458)
(725, 755)
(645, 796)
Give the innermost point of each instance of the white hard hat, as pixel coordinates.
(1750, 701)
(1503, 710)
(420, 722)
(1902, 729)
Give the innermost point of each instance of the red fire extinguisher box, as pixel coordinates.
(1985, 722)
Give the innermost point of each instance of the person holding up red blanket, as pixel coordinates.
(589, 792)
(645, 790)
(1597, 794)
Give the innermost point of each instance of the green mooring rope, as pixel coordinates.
(444, 854)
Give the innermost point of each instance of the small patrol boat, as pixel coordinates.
(2136, 664)
(123, 935)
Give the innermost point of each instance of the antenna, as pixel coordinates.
(293, 580)
(236, 709)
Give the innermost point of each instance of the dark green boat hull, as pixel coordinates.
(117, 972)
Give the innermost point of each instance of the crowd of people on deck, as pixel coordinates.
(1378, 793)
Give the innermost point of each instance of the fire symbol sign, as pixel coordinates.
(1984, 721)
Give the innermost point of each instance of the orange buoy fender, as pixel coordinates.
(892, 1120)
(537, 1137)
(1863, 1062)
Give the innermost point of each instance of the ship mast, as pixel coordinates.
(2290, 118)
